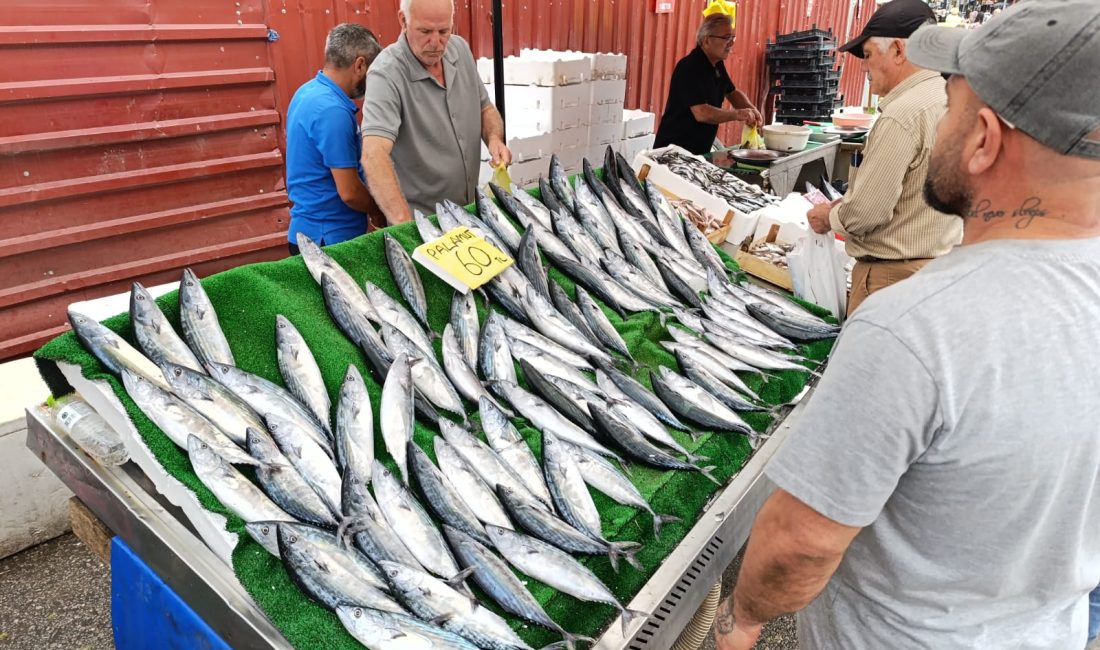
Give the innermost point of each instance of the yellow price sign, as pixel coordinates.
(462, 258)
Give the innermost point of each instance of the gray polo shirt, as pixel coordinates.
(436, 130)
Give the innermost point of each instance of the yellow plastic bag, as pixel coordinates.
(501, 178)
(751, 138)
(721, 7)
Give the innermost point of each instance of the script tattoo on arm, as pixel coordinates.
(1030, 210)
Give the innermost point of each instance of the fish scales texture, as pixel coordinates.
(493, 217)
(572, 313)
(428, 231)
(231, 488)
(630, 388)
(199, 322)
(429, 379)
(495, 360)
(390, 631)
(214, 401)
(506, 440)
(530, 263)
(466, 325)
(284, 483)
(441, 497)
(300, 371)
(308, 457)
(545, 418)
(568, 488)
(458, 370)
(560, 399)
(485, 462)
(406, 277)
(694, 403)
(396, 412)
(154, 333)
(600, 325)
(605, 477)
(394, 314)
(412, 524)
(354, 425)
(319, 264)
(364, 519)
(471, 487)
(630, 439)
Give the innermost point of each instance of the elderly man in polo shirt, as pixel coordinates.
(426, 115)
(888, 227)
(323, 147)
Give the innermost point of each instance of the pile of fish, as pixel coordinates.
(716, 181)
(388, 541)
(696, 214)
(772, 252)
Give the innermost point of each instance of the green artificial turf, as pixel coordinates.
(247, 300)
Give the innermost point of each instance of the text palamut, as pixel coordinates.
(448, 244)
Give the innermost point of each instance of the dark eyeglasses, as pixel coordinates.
(727, 39)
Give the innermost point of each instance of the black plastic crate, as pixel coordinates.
(817, 79)
(799, 55)
(805, 46)
(822, 65)
(801, 97)
(784, 107)
(806, 35)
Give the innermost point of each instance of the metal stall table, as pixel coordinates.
(125, 499)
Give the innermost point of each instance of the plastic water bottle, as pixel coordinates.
(84, 425)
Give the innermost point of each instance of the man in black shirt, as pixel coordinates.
(699, 85)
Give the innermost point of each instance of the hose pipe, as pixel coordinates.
(696, 631)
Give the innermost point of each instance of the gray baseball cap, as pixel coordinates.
(1037, 65)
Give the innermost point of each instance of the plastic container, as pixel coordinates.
(89, 430)
(785, 137)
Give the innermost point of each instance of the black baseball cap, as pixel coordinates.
(895, 19)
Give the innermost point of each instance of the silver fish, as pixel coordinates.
(704, 356)
(354, 425)
(556, 568)
(635, 254)
(792, 326)
(286, 486)
(364, 519)
(647, 424)
(679, 283)
(692, 402)
(536, 208)
(356, 327)
(178, 420)
(113, 351)
(709, 382)
(555, 326)
(413, 526)
(441, 496)
(528, 260)
(552, 366)
(199, 323)
(428, 378)
(494, 577)
(691, 340)
(633, 279)
(389, 631)
(154, 333)
(599, 324)
(567, 308)
(299, 369)
(428, 230)
(752, 354)
(265, 397)
(560, 183)
(394, 314)
(319, 264)
(506, 440)
(702, 249)
(574, 235)
(469, 484)
(230, 487)
(636, 446)
(567, 486)
(602, 475)
(546, 419)
(396, 412)
(406, 277)
(495, 358)
(323, 542)
(309, 458)
(493, 217)
(621, 386)
(214, 402)
(466, 326)
(329, 575)
(516, 331)
(435, 600)
(462, 375)
(668, 221)
(565, 401)
(483, 460)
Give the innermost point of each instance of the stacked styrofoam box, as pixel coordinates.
(530, 157)
(608, 98)
(637, 133)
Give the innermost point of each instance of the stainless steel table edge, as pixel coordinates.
(675, 591)
(168, 547)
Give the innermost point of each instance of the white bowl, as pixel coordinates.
(786, 137)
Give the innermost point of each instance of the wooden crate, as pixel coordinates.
(763, 269)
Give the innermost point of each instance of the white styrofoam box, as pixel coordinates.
(484, 173)
(606, 114)
(674, 185)
(541, 109)
(571, 146)
(540, 68)
(789, 214)
(608, 66)
(603, 134)
(636, 123)
(608, 91)
(484, 152)
(631, 147)
(595, 153)
(530, 146)
(526, 174)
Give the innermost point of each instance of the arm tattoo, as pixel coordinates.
(724, 621)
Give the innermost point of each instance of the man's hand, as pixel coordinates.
(751, 116)
(730, 632)
(499, 153)
(818, 216)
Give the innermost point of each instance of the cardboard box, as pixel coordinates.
(637, 123)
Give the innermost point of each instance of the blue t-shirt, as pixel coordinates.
(322, 134)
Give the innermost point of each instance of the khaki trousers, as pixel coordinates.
(869, 277)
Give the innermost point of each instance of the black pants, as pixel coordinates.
(294, 248)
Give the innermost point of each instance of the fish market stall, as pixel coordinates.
(343, 428)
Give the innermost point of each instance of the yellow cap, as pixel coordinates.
(722, 7)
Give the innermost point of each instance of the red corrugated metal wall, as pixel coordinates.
(137, 138)
(141, 136)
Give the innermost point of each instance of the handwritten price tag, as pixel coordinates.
(462, 259)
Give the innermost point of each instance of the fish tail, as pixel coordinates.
(706, 471)
(660, 520)
(628, 615)
(625, 550)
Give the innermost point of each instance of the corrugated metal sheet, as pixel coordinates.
(142, 136)
(138, 138)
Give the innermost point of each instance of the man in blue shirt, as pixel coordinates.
(325, 180)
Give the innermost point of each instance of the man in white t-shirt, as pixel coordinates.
(942, 487)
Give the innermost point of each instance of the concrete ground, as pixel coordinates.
(56, 595)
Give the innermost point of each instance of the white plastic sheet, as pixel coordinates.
(818, 272)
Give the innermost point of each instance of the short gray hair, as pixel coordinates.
(710, 26)
(406, 4)
(349, 41)
(883, 42)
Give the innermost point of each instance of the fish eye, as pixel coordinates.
(265, 530)
(293, 538)
(177, 372)
(357, 613)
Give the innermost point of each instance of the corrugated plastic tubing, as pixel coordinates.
(699, 627)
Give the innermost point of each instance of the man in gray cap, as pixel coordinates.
(887, 226)
(942, 487)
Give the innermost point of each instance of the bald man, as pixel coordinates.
(426, 115)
